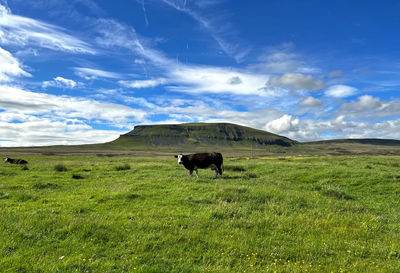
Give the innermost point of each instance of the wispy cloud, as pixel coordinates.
(91, 73)
(222, 33)
(24, 31)
(143, 83)
(113, 34)
(282, 59)
(10, 67)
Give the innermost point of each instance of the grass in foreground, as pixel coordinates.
(325, 214)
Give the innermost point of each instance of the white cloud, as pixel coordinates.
(143, 83)
(283, 124)
(310, 101)
(47, 118)
(91, 73)
(60, 82)
(23, 31)
(45, 131)
(197, 79)
(340, 91)
(10, 67)
(369, 107)
(296, 81)
(335, 128)
(365, 102)
(17, 100)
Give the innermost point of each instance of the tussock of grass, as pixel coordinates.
(250, 175)
(4, 195)
(335, 192)
(123, 167)
(132, 196)
(60, 168)
(235, 168)
(40, 186)
(77, 176)
(24, 197)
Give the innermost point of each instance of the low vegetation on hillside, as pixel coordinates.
(283, 214)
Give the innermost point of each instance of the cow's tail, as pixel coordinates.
(222, 163)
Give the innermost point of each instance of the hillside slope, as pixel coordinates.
(202, 134)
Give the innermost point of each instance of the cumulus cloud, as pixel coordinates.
(143, 83)
(283, 124)
(60, 82)
(334, 128)
(24, 31)
(340, 91)
(365, 102)
(296, 81)
(369, 107)
(310, 101)
(10, 67)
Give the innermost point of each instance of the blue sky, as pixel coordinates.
(84, 71)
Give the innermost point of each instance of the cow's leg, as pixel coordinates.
(220, 170)
(214, 168)
(190, 172)
(197, 173)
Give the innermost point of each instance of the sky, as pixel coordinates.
(85, 71)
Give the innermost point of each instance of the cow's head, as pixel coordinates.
(179, 157)
(6, 160)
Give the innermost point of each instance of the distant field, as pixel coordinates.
(125, 214)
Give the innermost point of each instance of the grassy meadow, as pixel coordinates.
(127, 214)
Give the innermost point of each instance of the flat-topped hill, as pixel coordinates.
(203, 134)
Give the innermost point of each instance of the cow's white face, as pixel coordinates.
(179, 159)
(5, 160)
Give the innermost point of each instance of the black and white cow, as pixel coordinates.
(15, 161)
(193, 162)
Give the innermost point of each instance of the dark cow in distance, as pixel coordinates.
(193, 162)
(15, 161)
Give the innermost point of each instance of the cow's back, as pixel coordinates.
(204, 160)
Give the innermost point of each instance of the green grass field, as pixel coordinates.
(121, 214)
